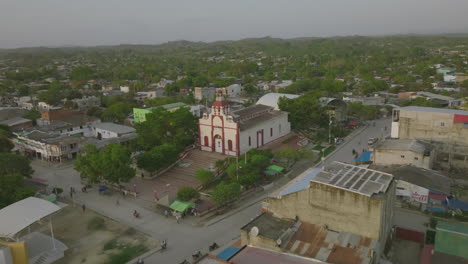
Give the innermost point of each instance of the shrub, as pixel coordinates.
(205, 177)
(111, 244)
(187, 193)
(127, 254)
(97, 223)
(224, 193)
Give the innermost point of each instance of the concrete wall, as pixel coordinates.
(431, 126)
(258, 241)
(400, 157)
(340, 210)
(18, 252)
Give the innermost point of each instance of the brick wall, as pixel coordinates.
(59, 114)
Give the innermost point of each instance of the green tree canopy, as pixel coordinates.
(15, 164)
(224, 193)
(186, 193)
(117, 112)
(12, 189)
(158, 157)
(205, 177)
(304, 112)
(113, 164)
(82, 73)
(177, 127)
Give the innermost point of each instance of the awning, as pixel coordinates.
(228, 253)
(365, 157)
(275, 168)
(180, 206)
(24, 213)
(460, 118)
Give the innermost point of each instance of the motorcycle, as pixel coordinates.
(213, 246)
(197, 255)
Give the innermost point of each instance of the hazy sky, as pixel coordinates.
(25, 23)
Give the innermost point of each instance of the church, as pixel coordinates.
(236, 132)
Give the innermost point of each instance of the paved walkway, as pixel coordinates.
(187, 237)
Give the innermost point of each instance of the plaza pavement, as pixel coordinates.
(187, 237)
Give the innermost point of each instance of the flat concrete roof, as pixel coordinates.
(354, 178)
(404, 144)
(255, 255)
(119, 129)
(269, 226)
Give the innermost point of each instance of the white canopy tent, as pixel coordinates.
(22, 214)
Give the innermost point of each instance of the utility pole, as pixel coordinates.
(237, 167)
(329, 127)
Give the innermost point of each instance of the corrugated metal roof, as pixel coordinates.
(302, 182)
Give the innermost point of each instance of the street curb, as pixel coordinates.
(147, 254)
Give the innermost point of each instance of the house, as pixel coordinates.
(445, 129)
(415, 122)
(44, 107)
(461, 77)
(428, 189)
(87, 102)
(341, 197)
(275, 86)
(446, 71)
(366, 100)
(48, 146)
(17, 123)
(297, 241)
(139, 114)
(233, 90)
(111, 130)
(403, 152)
(235, 132)
(163, 82)
(440, 99)
(207, 93)
(142, 96)
(67, 122)
(124, 89)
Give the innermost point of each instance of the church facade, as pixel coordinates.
(236, 132)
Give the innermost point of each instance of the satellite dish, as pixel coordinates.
(278, 242)
(254, 231)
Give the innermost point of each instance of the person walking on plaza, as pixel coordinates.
(166, 213)
(83, 207)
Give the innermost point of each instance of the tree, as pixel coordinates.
(117, 112)
(363, 112)
(12, 189)
(291, 155)
(177, 127)
(224, 193)
(15, 164)
(304, 112)
(158, 157)
(32, 115)
(111, 165)
(186, 194)
(5, 144)
(205, 177)
(95, 111)
(82, 73)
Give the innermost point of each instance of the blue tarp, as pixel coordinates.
(435, 209)
(365, 157)
(455, 204)
(301, 183)
(228, 253)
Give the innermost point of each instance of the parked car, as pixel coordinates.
(372, 141)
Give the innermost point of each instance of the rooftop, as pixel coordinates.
(254, 121)
(404, 144)
(434, 110)
(271, 99)
(436, 96)
(247, 112)
(329, 246)
(269, 226)
(119, 129)
(255, 255)
(452, 238)
(354, 178)
(300, 183)
(429, 179)
(14, 121)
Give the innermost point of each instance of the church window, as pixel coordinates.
(250, 141)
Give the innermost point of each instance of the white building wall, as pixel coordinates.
(104, 133)
(399, 157)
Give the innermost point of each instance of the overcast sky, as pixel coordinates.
(26, 23)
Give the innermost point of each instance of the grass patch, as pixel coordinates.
(97, 223)
(130, 231)
(329, 150)
(318, 147)
(111, 244)
(127, 254)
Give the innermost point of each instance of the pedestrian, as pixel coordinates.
(177, 218)
(71, 194)
(83, 207)
(166, 213)
(117, 202)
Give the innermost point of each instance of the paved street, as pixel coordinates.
(184, 238)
